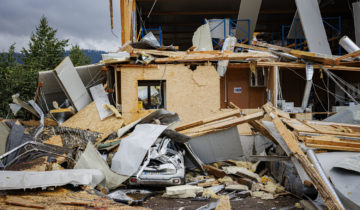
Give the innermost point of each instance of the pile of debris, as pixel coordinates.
(89, 154)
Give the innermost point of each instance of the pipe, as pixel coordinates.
(348, 44)
(311, 154)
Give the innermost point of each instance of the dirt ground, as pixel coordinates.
(283, 202)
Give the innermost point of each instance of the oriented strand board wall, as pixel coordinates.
(191, 94)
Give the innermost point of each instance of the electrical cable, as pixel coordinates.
(335, 95)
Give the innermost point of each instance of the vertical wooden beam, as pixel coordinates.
(122, 18)
(126, 9)
(273, 84)
(111, 15)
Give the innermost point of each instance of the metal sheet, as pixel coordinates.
(11, 180)
(346, 182)
(249, 9)
(313, 26)
(4, 133)
(202, 38)
(71, 84)
(356, 12)
(100, 98)
(132, 149)
(91, 159)
(218, 146)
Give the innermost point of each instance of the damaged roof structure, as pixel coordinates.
(233, 116)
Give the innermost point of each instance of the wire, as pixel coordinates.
(319, 99)
(335, 95)
(152, 7)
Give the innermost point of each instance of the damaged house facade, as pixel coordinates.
(218, 108)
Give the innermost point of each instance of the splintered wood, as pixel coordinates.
(291, 141)
(61, 198)
(217, 123)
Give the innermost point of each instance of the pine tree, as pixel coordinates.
(45, 50)
(78, 57)
(12, 78)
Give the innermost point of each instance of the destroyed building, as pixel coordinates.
(243, 111)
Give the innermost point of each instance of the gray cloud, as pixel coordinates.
(84, 22)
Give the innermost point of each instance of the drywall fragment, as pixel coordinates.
(229, 45)
(118, 57)
(242, 172)
(71, 84)
(101, 99)
(183, 191)
(91, 159)
(262, 195)
(202, 38)
(11, 180)
(237, 187)
(225, 179)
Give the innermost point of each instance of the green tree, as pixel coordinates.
(45, 50)
(12, 79)
(78, 57)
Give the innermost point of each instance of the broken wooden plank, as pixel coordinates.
(292, 65)
(222, 125)
(214, 57)
(17, 201)
(332, 143)
(253, 47)
(218, 173)
(47, 122)
(208, 120)
(271, 46)
(291, 141)
(353, 55)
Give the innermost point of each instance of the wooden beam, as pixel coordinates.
(222, 125)
(253, 47)
(332, 143)
(209, 120)
(111, 15)
(126, 8)
(353, 55)
(292, 65)
(291, 141)
(213, 57)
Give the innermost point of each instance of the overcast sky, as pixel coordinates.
(83, 22)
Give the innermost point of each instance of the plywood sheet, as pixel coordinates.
(193, 95)
(89, 119)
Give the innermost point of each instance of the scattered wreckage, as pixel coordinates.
(87, 141)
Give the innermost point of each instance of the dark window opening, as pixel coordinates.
(151, 94)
